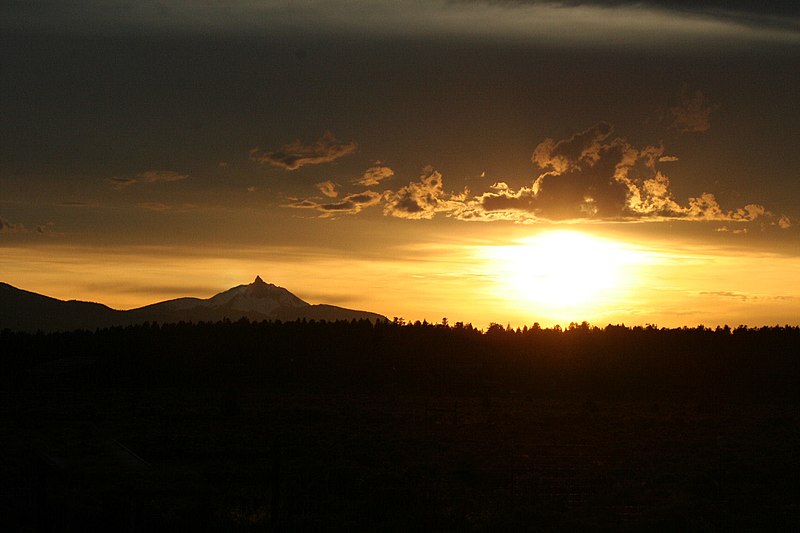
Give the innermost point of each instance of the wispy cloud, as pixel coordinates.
(328, 188)
(349, 205)
(296, 154)
(76, 203)
(374, 175)
(155, 206)
(613, 23)
(150, 176)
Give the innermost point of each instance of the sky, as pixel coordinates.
(484, 161)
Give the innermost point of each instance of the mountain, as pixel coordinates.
(27, 311)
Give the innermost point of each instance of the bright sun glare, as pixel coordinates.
(563, 272)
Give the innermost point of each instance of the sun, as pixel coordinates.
(563, 272)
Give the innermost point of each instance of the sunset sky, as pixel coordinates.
(507, 161)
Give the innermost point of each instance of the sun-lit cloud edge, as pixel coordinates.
(588, 177)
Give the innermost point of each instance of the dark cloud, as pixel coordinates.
(591, 177)
(755, 12)
(581, 182)
(580, 149)
(609, 23)
(296, 154)
(150, 176)
(349, 205)
(155, 206)
(7, 226)
(46, 229)
(75, 203)
(692, 113)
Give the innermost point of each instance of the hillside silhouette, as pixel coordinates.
(22, 310)
(307, 425)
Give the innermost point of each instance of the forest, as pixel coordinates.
(312, 425)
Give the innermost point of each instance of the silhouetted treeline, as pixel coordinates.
(612, 361)
(350, 426)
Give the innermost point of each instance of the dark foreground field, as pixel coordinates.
(240, 427)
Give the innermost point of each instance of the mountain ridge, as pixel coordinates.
(23, 310)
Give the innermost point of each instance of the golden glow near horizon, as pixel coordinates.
(550, 277)
(564, 273)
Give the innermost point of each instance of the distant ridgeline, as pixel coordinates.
(27, 311)
(580, 361)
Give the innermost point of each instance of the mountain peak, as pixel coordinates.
(259, 281)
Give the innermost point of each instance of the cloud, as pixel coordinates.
(591, 176)
(7, 226)
(587, 176)
(294, 155)
(422, 199)
(41, 229)
(693, 112)
(349, 205)
(46, 229)
(150, 176)
(727, 294)
(328, 188)
(611, 23)
(374, 175)
(580, 149)
(155, 206)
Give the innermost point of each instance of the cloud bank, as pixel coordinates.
(614, 23)
(590, 176)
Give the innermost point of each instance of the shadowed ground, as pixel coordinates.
(91, 448)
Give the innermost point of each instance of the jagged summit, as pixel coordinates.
(263, 297)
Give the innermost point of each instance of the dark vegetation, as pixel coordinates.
(239, 426)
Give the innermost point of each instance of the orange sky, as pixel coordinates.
(409, 159)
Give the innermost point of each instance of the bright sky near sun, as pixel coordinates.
(510, 162)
